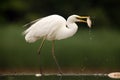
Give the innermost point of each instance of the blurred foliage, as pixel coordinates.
(103, 12)
(102, 51)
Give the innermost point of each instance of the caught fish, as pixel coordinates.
(89, 22)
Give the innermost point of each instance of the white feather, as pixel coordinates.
(47, 26)
(54, 27)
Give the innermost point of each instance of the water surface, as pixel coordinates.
(56, 77)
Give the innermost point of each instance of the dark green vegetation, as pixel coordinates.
(104, 13)
(102, 51)
(79, 51)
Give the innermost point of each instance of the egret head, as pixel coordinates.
(76, 18)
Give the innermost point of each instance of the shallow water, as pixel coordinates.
(91, 35)
(55, 77)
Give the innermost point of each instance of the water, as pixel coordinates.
(56, 77)
(90, 34)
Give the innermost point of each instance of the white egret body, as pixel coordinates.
(53, 27)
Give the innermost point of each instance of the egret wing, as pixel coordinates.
(30, 23)
(45, 26)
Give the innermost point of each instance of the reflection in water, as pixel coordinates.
(90, 34)
(52, 77)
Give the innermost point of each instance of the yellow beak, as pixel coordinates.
(82, 17)
(88, 21)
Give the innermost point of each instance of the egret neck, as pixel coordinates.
(71, 28)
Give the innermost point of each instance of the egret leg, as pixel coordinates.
(41, 45)
(39, 51)
(56, 62)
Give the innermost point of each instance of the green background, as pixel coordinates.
(95, 48)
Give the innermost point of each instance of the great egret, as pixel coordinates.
(54, 27)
